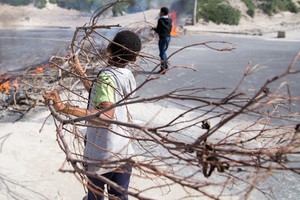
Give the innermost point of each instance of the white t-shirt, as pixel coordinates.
(107, 145)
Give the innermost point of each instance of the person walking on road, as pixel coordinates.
(163, 29)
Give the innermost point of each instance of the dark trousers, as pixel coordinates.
(163, 45)
(122, 179)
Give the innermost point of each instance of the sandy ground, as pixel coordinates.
(30, 159)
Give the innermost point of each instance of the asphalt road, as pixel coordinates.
(225, 68)
(216, 69)
(20, 49)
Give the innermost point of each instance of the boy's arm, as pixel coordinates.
(82, 75)
(81, 112)
(76, 111)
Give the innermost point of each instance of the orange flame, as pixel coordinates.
(10, 82)
(6, 86)
(40, 68)
(175, 29)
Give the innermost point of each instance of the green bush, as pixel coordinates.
(275, 6)
(118, 9)
(81, 5)
(53, 1)
(218, 12)
(40, 3)
(16, 2)
(37, 3)
(251, 7)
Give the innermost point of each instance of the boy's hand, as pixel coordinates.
(75, 64)
(74, 61)
(54, 96)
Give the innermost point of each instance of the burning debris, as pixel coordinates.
(175, 27)
(181, 13)
(20, 91)
(8, 83)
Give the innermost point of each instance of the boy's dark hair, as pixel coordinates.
(164, 10)
(124, 47)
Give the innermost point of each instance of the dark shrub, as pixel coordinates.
(40, 3)
(251, 7)
(219, 12)
(275, 6)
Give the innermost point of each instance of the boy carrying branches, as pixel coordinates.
(107, 144)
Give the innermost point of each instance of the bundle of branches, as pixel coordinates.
(203, 148)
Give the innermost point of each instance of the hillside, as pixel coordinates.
(53, 16)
